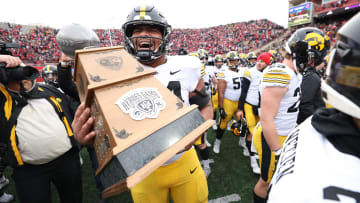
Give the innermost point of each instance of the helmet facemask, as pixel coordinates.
(342, 87)
(144, 47)
(151, 17)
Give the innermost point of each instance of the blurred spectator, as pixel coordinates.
(38, 45)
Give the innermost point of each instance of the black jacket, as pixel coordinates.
(11, 105)
(340, 129)
(311, 98)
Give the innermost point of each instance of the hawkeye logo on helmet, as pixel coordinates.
(315, 40)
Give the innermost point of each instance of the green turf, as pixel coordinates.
(231, 173)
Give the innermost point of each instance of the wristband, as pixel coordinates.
(277, 152)
(64, 64)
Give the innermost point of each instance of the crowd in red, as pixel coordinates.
(38, 46)
(334, 5)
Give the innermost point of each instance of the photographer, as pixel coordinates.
(4, 197)
(35, 122)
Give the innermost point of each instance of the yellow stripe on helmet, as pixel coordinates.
(142, 12)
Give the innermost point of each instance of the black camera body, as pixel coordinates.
(4, 46)
(15, 73)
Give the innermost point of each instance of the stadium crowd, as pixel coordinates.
(38, 46)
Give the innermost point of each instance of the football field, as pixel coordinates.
(231, 178)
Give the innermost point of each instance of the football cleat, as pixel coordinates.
(217, 146)
(214, 127)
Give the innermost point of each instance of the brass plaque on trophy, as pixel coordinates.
(139, 123)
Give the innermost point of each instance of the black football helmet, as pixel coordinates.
(239, 128)
(341, 89)
(232, 56)
(250, 56)
(146, 15)
(49, 75)
(305, 44)
(203, 54)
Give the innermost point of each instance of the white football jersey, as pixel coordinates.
(233, 84)
(217, 70)
(180, 74)
(253, 92)
(311, 169)
(279, 75)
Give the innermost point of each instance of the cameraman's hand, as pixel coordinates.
(10, 61)
(82, 125)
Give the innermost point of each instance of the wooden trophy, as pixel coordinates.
(139, 123)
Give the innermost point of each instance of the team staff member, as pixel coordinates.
(249, 102)
(229, 89)
(36, 121)
(331, 174)
(280, 97)
(310, 87)
(147, 35)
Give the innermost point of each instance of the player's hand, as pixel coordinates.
(239, 114)
(277, 157)
(65, 58)
(82, 125)
(222, 113)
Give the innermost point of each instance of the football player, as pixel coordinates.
(49, 75)
(201, 97)
(280, 97)
(147, 34)
(251, 59)
(203, 56)
(243, 60)
(332, 173)
(219, 61)
(229, 89)
(249, 102)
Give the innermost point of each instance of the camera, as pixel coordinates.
(4, 46)
(16, 73)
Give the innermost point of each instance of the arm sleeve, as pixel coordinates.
(6, 105)
(310, 98)
(66, 83)
(245, 84)
(276, 78)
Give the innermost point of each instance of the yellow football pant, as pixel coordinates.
(215, 101)
(266, 156)
(230, 108)
(184, 179)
